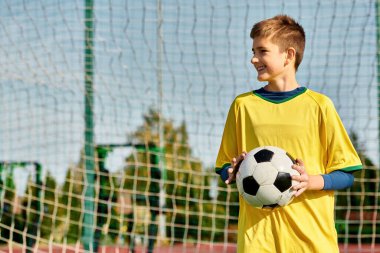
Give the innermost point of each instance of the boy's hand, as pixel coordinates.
(235, 163)
(303, 178)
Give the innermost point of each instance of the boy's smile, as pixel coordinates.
(259, 68)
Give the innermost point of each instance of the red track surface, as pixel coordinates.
(180, 248)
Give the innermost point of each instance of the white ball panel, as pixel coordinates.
(282, 162)
(239, 184)
(268, 194)
(252, 200)
(247, 166)
(265, 173)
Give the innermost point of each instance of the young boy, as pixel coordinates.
(300, 121)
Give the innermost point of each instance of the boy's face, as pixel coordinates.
(268, 59)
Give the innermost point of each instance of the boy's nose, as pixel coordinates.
(254, 60)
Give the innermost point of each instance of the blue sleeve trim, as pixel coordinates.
(223, 172)
(218, 169)
(338, 180)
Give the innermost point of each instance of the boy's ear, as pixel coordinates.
(290, 55)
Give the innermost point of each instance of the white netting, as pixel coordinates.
(164, 72)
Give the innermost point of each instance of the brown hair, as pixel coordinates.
(283, 31)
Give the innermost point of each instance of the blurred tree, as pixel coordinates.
(190, 211)
(184, 176)
(71, 203)
(7, 207)
(49, 207)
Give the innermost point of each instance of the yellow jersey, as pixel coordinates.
(308, 127)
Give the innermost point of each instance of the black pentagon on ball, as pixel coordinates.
(263, 155)
(283, 181)
(250, 186)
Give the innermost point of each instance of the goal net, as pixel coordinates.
(112, 114)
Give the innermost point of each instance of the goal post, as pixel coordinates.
(88, 216)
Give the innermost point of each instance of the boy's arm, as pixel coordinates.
(335, 180)
(306, 181)
(338, 180)
(228, 146)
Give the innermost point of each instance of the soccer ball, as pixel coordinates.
(264, 178)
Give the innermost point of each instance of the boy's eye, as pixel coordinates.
(260, 51)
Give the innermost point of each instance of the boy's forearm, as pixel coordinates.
(316, 182)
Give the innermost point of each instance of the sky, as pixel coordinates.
(188, 60)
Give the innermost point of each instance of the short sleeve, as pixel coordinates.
(228, 147)
(341, 154)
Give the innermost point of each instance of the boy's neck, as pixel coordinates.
(283, 85)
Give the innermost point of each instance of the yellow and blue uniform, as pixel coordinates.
(308, 127)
